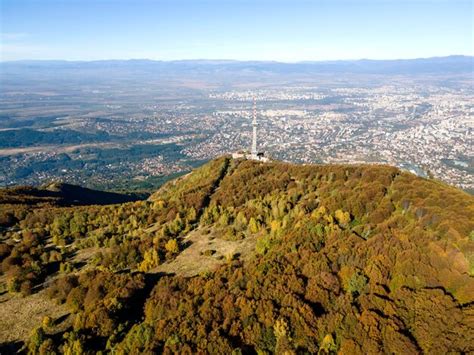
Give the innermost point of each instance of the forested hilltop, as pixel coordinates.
(243, 257)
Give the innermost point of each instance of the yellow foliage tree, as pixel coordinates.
(172, 246)
(191, 215)
(318, 213)
(47, 322)
(280, 328)
(328, 345)
(253, 226)
(343, 218)
(151, 259)
(160, 204)
(283, 338)
(275, 227)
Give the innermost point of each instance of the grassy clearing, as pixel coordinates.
(21, 314)
(197, 258)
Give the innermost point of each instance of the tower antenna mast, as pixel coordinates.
(253, 151)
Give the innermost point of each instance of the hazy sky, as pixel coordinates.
(283, 30)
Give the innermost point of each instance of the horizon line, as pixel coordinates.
(305, 61)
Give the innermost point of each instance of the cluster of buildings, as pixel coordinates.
(426, 129)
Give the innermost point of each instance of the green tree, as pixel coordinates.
(254, 226)
(191, 215)
(240, 221)
(357, 284)
(224, 219)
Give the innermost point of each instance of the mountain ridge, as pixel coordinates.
(61, 194)
(249, 257)
(449, 64)
(224, 61)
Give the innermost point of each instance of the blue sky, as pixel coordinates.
(283, 30)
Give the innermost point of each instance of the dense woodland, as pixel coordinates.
(347, 259)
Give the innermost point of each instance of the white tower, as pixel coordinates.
(253, 151)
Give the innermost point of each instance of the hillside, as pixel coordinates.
(60, 194)
(243, 257)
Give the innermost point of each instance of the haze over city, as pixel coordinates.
(72, 99)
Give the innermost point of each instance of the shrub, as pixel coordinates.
(357, 284)
(13, 285)
(47, 322)
(36, 339)
(172, 246)
(263, 244)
